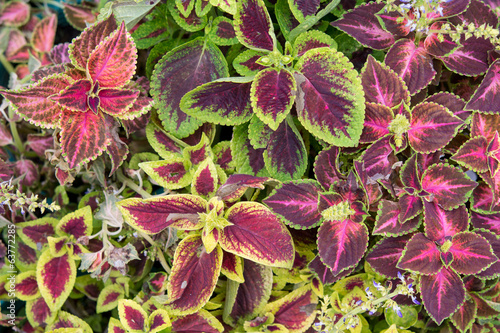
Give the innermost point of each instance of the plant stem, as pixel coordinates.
(131, 184)
(8, 66)
(15, 134)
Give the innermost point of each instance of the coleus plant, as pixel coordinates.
(90, 97)
(221, 233)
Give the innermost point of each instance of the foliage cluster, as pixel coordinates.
(250, 166)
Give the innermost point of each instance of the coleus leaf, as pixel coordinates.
(378, 159)
(253, 25)
(382, 85)
(159, 320)
(465, 315)
(421, 255)
(115, 326)
(450, 186)
(205, 179)
(440, 223)
(439, 45)
(79, 16)
(452, 102)
(473, 154)
(222, 31)
(191, 23)
(201, 321)
(82, 46)
(67, 320)
(442, 293)
(154, 215)
(232, 267)
(482, 199)
(248, 160)
(55, 277)
(113, 61)
(272, 95)
(38, 313)
(26, 286)
(132, 316)
(77, 224)
(223, 156)
(44, 34)
(246, 63)
(34, 234)
(83, 136)
(378, 118)
(162, 142)
(296, 202)
(109, 297)
(362, 24)
(285, 155)
(473, 52)
(342, 244)
(387, 222)
(494, 240)
(412, 63)
(185, 7)
(326, 167)
(236, 185)
(489, 222)
(33, 104)
(74, 96)
(258, 133)
(250, 297)
(295, 311)
(384, 256)
(310, 40)
(432, 127)
(173, 173)
(271, 246)
(466, 246)
(194, 276)
(302, 9)
(118, 102)
(14, 14)
(484, 98)
(180, 71)
(333, 117)
(223, 102)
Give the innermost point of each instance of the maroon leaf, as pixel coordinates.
(439, 45)
(432, 127)
(253, 25)
(413, 64)
(378, 159)
(452, 102)
(471, 253)
(489, 222)
(270, 246)
(388, 223)
(362, 24)
(440, 223)
(296, 203)
(469, 59)
(421, 255)
(465, 316)
(494, 240)
(83, 136)
(79, 16)
(384, 256)
(202, 321)
(442, 294)
(236, 185)
(14, 13)
(326, 167)
(382, 85)
(449, 185)
(378, 118)
(180, 71)
(342, 244)
(74, 97)
(473, 154)
(295, 311)
(253, 294)
(44, 34)
(484, 98)
(194, 276)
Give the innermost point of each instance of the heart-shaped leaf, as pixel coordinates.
(26, 286)
(421, 255)
(471, 253)
(440, 223)
(35, 233)
(76, 224)
(132, 316)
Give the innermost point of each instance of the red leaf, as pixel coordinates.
(44, 34)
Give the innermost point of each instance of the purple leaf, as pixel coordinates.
(471, 253)
(440, 223)
(473, 154)
(442, 294)
(326, 167)
(362, 24)
(421, 255)
(342, 244)
(384, 256)
(471, 58)
(413, 64)
(253, 26)
(387, 222)
(296, 202)
(485, 99)
(378, 118)
(382, 85)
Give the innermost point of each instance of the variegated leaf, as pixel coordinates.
(173, 173)
(271, 246)
(76, 224)
(44, 34)
(384, 256)
(194, 276)
(421, 255)
(334, 113)
(132, 316)
(253, 25)
(56, 277)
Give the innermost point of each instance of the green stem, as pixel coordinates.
(159, 252)
(310, 21)
(131, 184)
(15, 134)
(8, 66)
